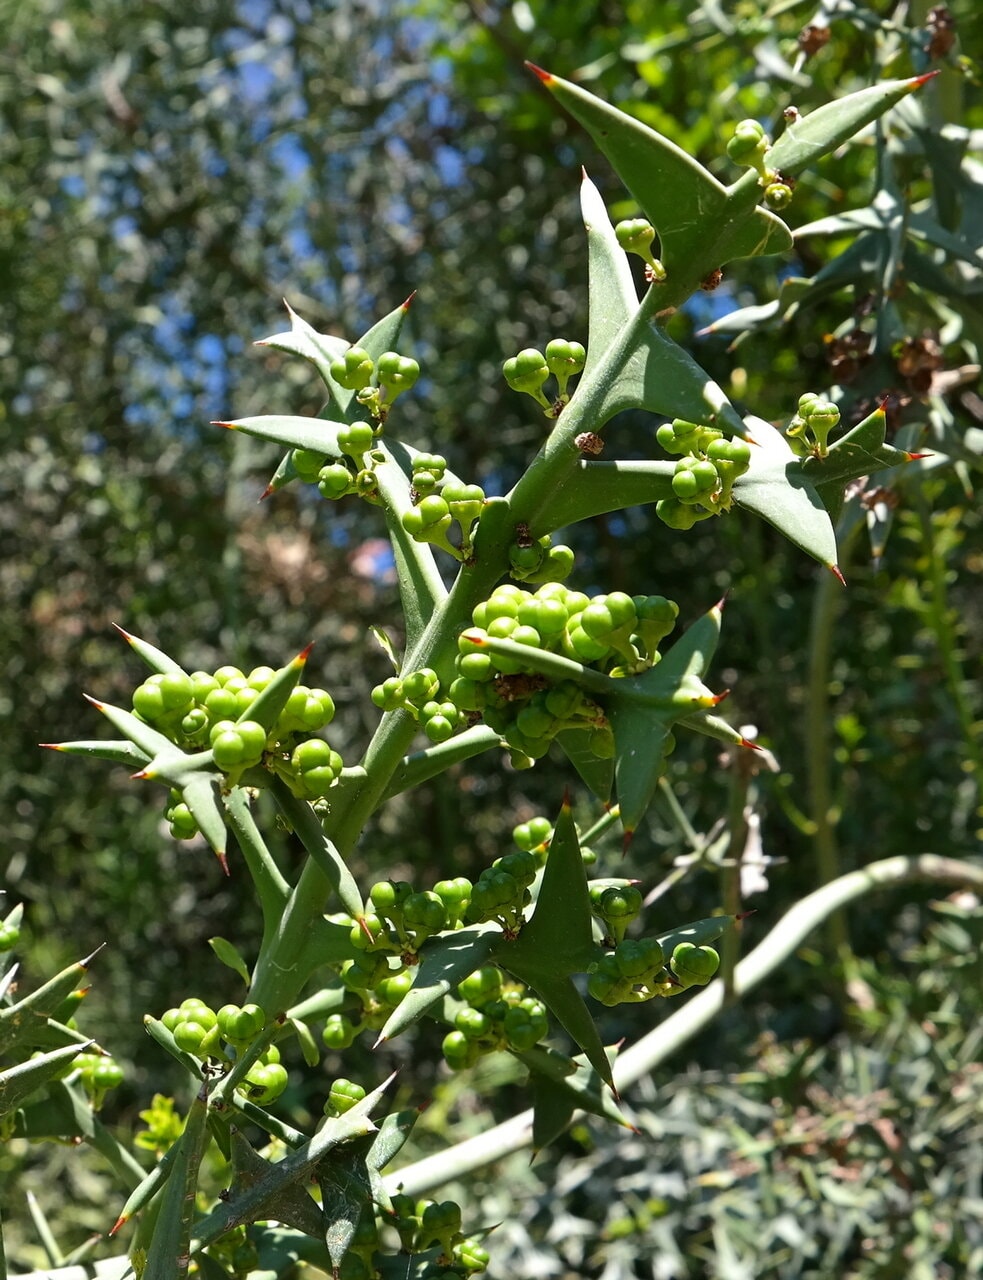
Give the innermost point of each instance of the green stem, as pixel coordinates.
(643, 1058)
(945, 637)
(271, 888)
(818, 756)
(730, 871)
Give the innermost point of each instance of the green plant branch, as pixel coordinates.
(941, 618)
(666, 1039)
(818, 757)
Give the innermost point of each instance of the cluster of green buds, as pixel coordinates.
(536, 560)
(353, 473)
(616, 633)
(440, 501)
(197, 1029)
(97, 1073)
(210, 711)
(636, 970)
(703, 480)
(423, 1225)
(616, 906)
(376, 383)
(808, 432)
(494, 1014)
(419, 693)
(528, 372)
(637, 235)
(749, 146)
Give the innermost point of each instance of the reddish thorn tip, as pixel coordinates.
(365, 928)
(141, 776)
(231, 425)
(719, 697)
(743, 915)
(121, 1221)
(538, 71)
(409, 301)
(629, 836)
(52, 746)
(304, 653)
(746, 742)
(835, 570)
(266, 493)
(917, 81)
(915, 457)
(125, 634)
(223, 861)
(380, 1041)
(719, 606)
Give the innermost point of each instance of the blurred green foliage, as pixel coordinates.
(167, 175)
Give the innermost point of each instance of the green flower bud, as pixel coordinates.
(240, 1025)
(565, 360)
(459, 1052)
(353, 370)
(339, 1032)
(481, 986)
(356, 440)
(748, 144)
(692, 965)
(265, 1082)
(307, 463)
(527, 371)
(778, 196)
(389, 696)
(636, 235)
(335, 481)
(396, 373)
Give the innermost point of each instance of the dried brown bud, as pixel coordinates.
(589, 442)
(712, 280)
(941, 28)
(812, 39)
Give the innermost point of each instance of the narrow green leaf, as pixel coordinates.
(162, 1035)
(659, 375)
(200, 795)
(18, 1021)
(269, 702)
(701, 225)
(775, 489)
(156, 659)
(598, 774)
(824, 129)
(169, 1255)
(272, 888)
(394, 1130)
(230, 955)
(611, 289)
(558, 942)
(294, 432)
(320, 349)
(642, 710)
(861, 452)
(140, 733)
(444, 962)
(698, 932)
(18, 1082)
(561, 1086)
(595, 488)
(145, 1191)
(421, 587)
(120, 752)
(423, 765)
(304, 822)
